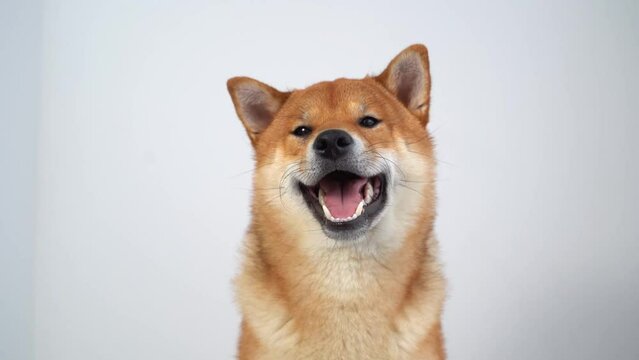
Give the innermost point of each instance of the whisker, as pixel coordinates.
(266, 189)
(414, 181)
(252, 170)
(410, 188)
(418, 140)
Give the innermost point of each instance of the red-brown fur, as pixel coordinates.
(305, 296)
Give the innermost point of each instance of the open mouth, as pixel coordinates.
(345, 201)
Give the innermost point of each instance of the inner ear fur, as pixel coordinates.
(407, 77)
(255, 104)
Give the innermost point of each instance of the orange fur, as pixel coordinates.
(306, 296)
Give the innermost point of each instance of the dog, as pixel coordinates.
(340, 258)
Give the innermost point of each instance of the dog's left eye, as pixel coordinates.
(302, 131)
(368, 122)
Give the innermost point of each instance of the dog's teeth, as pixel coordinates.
(368, 193)
(360, 210)
(327, 212)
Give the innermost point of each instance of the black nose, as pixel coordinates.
(333, 144)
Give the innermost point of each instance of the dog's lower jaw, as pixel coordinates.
(393, 314)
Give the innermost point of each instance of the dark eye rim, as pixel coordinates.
(302, 131)
(369, 122)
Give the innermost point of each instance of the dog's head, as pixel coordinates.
(349, 159)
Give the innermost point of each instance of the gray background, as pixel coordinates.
(126, 176)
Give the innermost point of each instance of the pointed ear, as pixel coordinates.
(255, 103)
(408, 78)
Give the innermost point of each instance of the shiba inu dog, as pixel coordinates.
(340, 257)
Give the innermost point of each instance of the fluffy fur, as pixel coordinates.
(305, 295)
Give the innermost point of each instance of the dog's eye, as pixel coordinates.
(302, 131)
(368, 122)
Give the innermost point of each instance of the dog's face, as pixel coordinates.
(347, 159)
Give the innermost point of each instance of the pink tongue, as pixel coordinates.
(342, 197)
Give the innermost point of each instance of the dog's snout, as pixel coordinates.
(333, 144)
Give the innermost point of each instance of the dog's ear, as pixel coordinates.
(408, 78)
(255, 103)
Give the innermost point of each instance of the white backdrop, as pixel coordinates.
(20, 87)
(143, 170)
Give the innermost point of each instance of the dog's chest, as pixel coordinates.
(343, 334)
(355, 322)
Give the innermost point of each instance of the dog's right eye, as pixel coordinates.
(302, 131)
